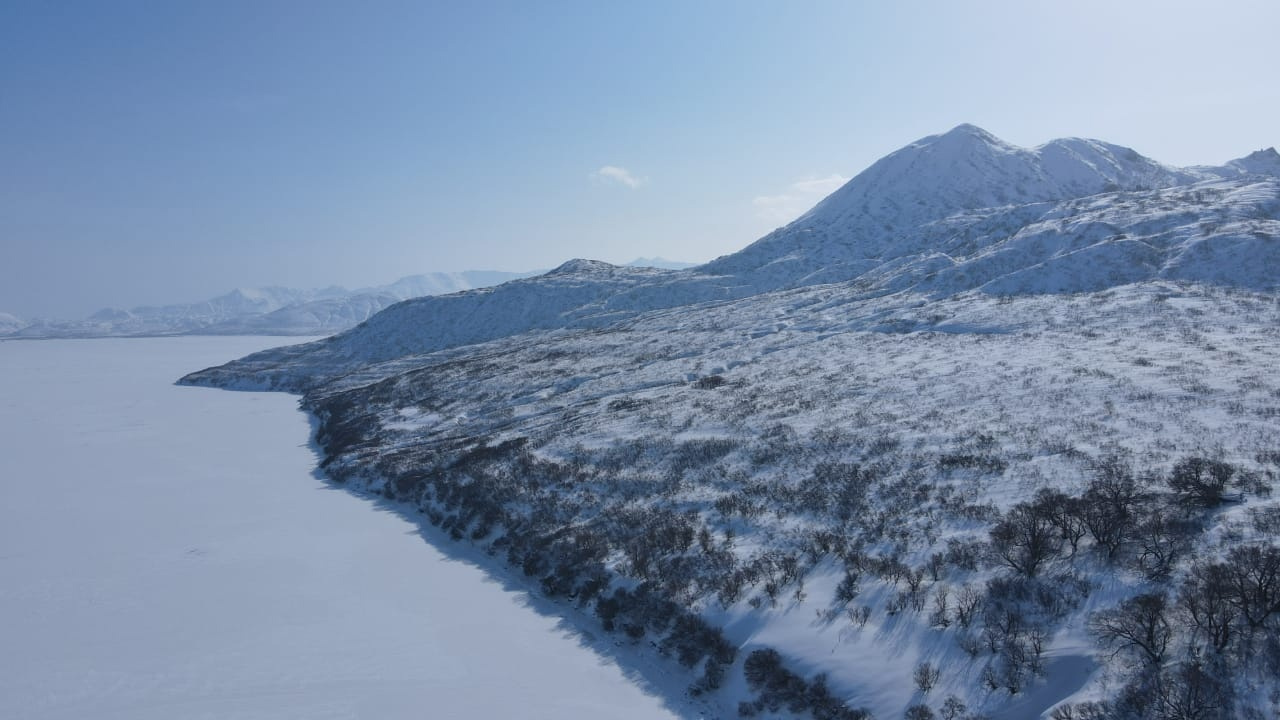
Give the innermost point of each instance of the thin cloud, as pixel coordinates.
(799, 197)
(619, 175)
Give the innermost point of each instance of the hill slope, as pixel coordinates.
(948, 214)
(809, 471)
(955, 449)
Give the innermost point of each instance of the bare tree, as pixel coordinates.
(926, 676)
(1200, 481)
(1204, 600)
(1253, 583)
(1192, 693)
(941, 615)
(1024, 539)
(1063, 512)
(1161, 541)
(1107, 506)
(953, 708)
(919, 712)
(1138, 623)
(967, 600)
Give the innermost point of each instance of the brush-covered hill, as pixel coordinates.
(990, 432)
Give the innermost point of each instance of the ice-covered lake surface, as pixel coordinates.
(168, 552)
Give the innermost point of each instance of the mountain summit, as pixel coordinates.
(969, 168)
(1259, 162)
(966, 168)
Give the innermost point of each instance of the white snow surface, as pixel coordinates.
(166, 552)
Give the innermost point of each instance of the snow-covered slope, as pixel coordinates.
(806, 470)
(947, 214)
(1258, 162)
(885, 213)
(1221, 232)
(743, 459)
(258, 311)
(578, 294)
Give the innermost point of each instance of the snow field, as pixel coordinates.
(167, 552)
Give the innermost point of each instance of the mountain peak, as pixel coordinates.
(970, 130)
(1260, 162)
(967, 168)
(578, 266)
(870, 219)
(964, 138)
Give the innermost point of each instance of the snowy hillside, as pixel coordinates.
(910, 206)
(989, 432)
(261, 311)
(819, 474)
(579, 293)
(947, 214)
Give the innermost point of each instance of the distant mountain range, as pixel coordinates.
(273, 310)
(258, 311)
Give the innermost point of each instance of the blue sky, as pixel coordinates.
(155, 152)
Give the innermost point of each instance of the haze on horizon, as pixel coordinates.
(155, 153)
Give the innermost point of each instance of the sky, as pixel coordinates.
(163, 152)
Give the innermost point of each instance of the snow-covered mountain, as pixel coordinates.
(930, 205)
(10, 323)
(946, 444)
(947, 214)
(261, 311)
(1258, 162)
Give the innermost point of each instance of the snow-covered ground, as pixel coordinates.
(766, 468)
(790, 441)
(167, 552)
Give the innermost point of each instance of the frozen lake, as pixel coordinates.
(166, 552)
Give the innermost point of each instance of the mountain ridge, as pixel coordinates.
(935, 177)
(1124, 219)
(267, 310)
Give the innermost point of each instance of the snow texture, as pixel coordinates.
(168, 553)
